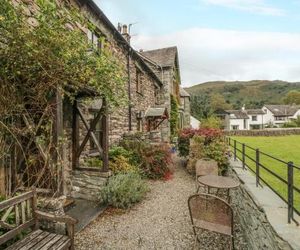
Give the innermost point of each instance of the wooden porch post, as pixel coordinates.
(105, 138)
(58, 134)
(75, 136)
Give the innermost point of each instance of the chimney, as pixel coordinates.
(125, 33)
(120, 27)
(243, 108)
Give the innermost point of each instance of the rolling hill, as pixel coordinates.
(254, 94)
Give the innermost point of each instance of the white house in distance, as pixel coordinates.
(268, 116)
(277, 115)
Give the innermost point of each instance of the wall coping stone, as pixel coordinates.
(106, 174)
(274, 208)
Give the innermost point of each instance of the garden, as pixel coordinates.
(195, 144)
(134, 161)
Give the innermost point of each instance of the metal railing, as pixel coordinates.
(255, 156)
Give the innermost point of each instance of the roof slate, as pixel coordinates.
(255, 112)
(183, 93)
(239, 114)
(164, 57)
(156, 112)
(283, 110)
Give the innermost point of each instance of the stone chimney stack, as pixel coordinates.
(244, 108)
(125, 33)
(120, 27)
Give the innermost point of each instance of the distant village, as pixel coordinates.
(269, 116)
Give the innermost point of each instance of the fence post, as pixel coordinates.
(243, 156)
(235, 150)
(290, 191)
(229, 141)
(257, 167)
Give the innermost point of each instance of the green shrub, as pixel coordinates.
(124, 190)
(120, 164)
(152, 159)
(211, 122)
(94, 162)
(208, 143)
(117, 151)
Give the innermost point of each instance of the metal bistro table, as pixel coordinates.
(219, 182)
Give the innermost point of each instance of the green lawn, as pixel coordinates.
(286, 148)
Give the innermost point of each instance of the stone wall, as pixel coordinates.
(258, 232)
(264, 132)
(88, 184)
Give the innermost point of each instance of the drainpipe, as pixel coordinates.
(126, 35)
(129, 91)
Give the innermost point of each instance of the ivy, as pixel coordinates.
(36, 60)
(174, 116)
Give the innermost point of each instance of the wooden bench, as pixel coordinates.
(19, 215)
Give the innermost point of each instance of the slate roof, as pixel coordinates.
(164, 57)
(255, 112)
(283, 110)
(156, 112)
(237, 114)
(183, 93)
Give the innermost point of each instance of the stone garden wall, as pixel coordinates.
(257, 230)
(88, 184)
(265, 132)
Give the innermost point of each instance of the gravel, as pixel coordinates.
(161, 221)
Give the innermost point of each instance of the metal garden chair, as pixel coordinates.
(205, 166)
(211, 213)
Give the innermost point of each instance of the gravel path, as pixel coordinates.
(161, 221)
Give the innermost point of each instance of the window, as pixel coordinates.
(235, 127)
(254, 118)
(139, 81)
(94, 39)
(279, 118)
(157, 95)
(182, 102)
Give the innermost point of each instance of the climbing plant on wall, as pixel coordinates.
(174, 116)
(40, 54)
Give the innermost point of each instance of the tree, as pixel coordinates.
(200, 106)
(217, 102)
(293, 97)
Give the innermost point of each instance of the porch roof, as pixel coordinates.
(157, 112)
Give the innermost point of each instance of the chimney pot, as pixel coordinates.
(125, 29)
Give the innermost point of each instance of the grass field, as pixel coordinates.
(286, 148)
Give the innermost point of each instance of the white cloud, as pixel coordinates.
(212, 54)
(253, 6)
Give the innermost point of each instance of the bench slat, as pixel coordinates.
(44, 241)
(64, 243)
(16, 200)
(23, 207)
(52, 242)
(17, 215)
(33, 242)
(14, 232)
(24, 241)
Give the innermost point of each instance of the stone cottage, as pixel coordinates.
(86, 131)
(165, 63)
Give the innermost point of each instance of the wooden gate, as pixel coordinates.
(101, 116)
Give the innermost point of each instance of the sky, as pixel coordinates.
(217, 39)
